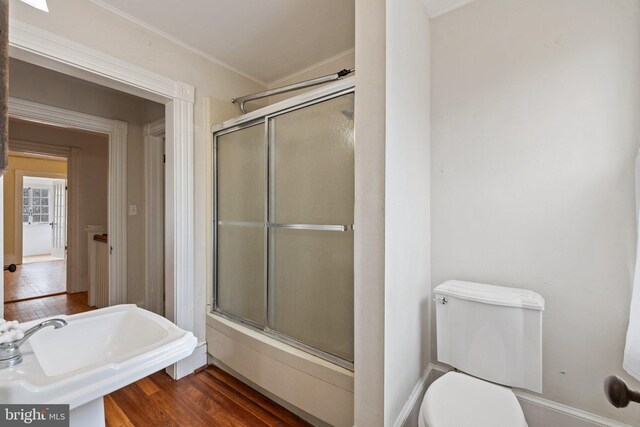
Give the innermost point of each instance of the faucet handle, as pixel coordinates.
(10, 352)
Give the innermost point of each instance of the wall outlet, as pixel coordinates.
(133, 210)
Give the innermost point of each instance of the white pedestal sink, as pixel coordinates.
(97, 353)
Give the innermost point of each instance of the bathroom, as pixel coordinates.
(496, 143)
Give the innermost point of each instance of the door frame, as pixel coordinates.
(154, 280)
(18, 224)
(40, 47)
(116, 132)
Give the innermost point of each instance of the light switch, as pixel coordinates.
(133, 210)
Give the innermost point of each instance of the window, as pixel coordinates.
(35, 205)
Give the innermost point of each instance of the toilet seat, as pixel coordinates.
(459, 400)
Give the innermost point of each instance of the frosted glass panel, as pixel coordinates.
(240, 174)
(311, 288)
(241, 271)
(240, 233)
(312, 175)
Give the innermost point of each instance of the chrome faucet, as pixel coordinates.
(10, 354)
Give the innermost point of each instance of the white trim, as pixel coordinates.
(154, 216)
(116, 132)
(17, 209)
(568, 410)
(18, 147)
(312, 95)
(156, 128)
(55, 116)
(75, 233)
(179, 225)
(33, 44)
(311, 67)
(179, 42)
(414, 398)
(117, 220)
(37, 46)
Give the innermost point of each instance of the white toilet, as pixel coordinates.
(494, 335)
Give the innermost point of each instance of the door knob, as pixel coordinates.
(617, 392)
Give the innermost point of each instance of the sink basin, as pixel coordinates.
(97, 353)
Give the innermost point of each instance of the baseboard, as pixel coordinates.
(189, 365)
(556, 412)
(540, 412)
(412, 406)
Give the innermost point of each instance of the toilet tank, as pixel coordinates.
(491, 332)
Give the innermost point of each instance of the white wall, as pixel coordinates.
(535, 107)
(407, 239)
(392, 272)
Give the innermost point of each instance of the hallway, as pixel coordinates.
(35, 280)
(38, 308)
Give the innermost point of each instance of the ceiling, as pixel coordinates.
(265, 40)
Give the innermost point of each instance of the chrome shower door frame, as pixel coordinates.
(256, 118)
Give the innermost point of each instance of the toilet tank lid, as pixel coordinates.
(491, 294)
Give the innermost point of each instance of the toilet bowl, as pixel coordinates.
(494, 335)
(459, 400)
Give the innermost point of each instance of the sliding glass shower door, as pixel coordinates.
(284, 234)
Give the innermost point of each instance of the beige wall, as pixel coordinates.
(95, 167)
(49, 87)
(535, 108)
(9, 197)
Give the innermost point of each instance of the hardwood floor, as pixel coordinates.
(35, 280)
(209, 398)
(25, 311)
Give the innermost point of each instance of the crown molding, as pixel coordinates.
(173, 39)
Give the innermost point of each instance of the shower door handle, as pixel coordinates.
(317, 227)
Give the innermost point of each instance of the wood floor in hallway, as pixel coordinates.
(35, 280)
(25, 311)
(209, 398)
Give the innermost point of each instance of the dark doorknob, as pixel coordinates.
(617, 392)
(10, 268)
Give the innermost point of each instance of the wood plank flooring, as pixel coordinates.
(208, 398)
(25, 311)
(35, 280)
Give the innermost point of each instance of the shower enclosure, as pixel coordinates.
(283, 215)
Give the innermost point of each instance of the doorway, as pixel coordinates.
(35, 211)
(44, 219)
